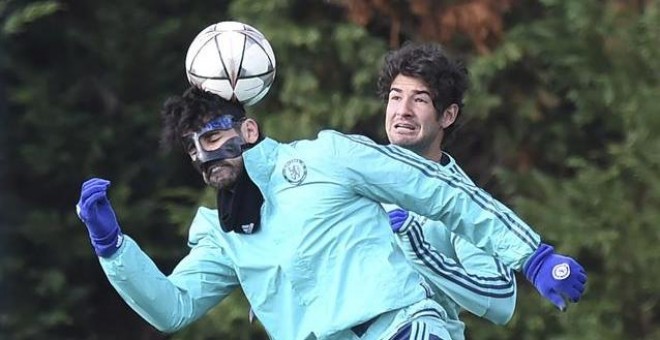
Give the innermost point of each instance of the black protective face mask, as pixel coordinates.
(232, 148)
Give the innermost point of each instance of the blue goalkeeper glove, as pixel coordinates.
(95, 211)
(558, 278)
(398, 220)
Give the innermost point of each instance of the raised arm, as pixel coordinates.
(390, 174)
(201, 280)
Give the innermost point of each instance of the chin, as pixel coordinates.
(219, 183)
(216, 185)
(404, 142)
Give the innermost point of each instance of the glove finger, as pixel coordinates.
(581, 276)
(91, 185)
(398, 213)
(579, 287)
(576, 267)
(556, 300)
(95, 181)
(90, 199)
(88, 205)
(91, 190)
(573, 294)
(578, 279)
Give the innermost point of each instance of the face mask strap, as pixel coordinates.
(223, 122)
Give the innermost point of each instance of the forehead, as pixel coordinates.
(405, 83)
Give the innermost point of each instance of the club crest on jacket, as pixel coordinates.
(294, 171)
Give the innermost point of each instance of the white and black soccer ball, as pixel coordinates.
(232, 60)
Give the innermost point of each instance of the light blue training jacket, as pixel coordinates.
(462, 276)
(324, 259)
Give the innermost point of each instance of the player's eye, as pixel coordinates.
(212, 140)
(212, 137)
(422, 98)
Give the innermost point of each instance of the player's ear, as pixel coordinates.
(250, 130)
(449, 116)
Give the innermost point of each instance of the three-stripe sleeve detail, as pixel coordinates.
(418, 329)
(491, 286)
(501, 268)
(475, 194)
(430, 312)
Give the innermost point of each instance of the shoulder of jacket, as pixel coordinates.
(338, 138)
(205, 223)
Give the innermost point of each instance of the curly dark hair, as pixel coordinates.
(190, 111)
(446, 78)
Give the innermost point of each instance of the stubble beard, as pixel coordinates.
(417, 145)
(222, 175)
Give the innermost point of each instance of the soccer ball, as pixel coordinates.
(232, 60)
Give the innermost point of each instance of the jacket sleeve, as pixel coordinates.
(474, 280)
(501, 300)
(200, 281)
(393, 175)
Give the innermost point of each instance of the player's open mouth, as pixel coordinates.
(404, 126)
(213, 169)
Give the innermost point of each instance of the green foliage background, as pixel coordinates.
(561, 123)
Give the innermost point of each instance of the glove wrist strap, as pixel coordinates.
(533, 264)
(108, 245)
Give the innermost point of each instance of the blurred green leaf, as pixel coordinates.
(19, 18)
